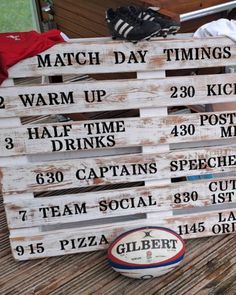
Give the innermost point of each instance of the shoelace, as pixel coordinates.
(158, 14)
(138, 13)
(131, 18)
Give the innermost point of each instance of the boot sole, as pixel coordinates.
(154, 34)
(168, 31)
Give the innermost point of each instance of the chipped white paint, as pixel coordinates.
(23, 212)
(98, 236)
(72, 223)
(63, 174)
(113, 95)
(117, 133)
(112, 56)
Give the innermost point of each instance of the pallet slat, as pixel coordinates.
(65, 174)
(97, 237)
(88, 206)
(117, 133)
(114, 95)
(115, 56)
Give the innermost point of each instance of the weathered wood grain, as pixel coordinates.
(72, 223)
(117, 94)
(22, 212)
(116, 133)
(63, 174)
(27, 245)
(94, 57)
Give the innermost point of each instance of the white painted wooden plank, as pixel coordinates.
(117, 169)
(103, 39)
(116, 133)
(95, 57)
(117, 94)
(97, 237)
(23, 212)
(113, 95)
(148, 113)
(15, 160)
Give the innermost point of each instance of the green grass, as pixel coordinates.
(16, 16)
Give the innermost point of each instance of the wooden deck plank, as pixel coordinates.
(89, 273)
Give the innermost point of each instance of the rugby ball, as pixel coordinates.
(146, 252)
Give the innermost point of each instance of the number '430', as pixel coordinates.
(182, 130)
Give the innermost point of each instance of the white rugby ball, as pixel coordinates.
(146, 252)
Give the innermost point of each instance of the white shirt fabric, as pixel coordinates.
(220, 27)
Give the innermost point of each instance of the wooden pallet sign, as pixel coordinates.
(74, 186)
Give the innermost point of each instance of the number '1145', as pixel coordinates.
(187, 229)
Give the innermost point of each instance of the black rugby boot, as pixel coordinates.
(168, 25)
(124, 24)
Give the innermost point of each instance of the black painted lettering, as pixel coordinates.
(224, 228)
(229, 131)
(197, 53)
(119, 57)
(92, 241)
(63, 244)
(66, 98)
(142, 55)
(211, 90)
(44, 210)
(227, 52)
(44, 61)
(187, 54)
(168, 53)
(94, 58)
(132, 58)
(33, 133)
(68, 57)
(80, 208)
(2, 103)
(103, 240)
(82, 242)
(27, 99)
(111, 140)
(80, 58)
(94, 95)
(57, 145)
(105, 127)
(80, 174)
(59, 62)
(55, 211)
(49, 131)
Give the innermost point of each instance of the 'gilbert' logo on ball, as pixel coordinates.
(146, 252)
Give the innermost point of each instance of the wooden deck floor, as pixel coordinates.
(209, 267)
